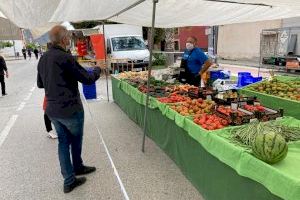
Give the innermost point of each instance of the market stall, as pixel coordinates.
(218, 168)
(278, 97)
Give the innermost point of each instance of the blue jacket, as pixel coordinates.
(195, 59)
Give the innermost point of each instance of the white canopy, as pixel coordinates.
(170, 13)
(177, 13)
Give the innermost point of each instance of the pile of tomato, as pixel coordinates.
(210, 121)
(254, 108)
(173, 98)
(227, 111)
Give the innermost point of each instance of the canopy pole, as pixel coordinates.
(106, 70)
(149, 71)
(260, 55)
(126, 9)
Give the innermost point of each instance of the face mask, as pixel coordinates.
(68, 47)
(189, 46)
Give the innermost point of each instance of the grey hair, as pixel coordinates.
(57, 34)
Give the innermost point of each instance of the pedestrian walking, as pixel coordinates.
(47, 121)
(3, 73)
(29, 53)
(24, 53)
(36, 53)
(58, 74)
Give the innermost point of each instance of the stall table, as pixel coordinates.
(290, 107)
(218, 169)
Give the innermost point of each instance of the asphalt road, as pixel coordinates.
(29, 163)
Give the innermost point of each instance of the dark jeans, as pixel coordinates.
(47, 123)
(194, 80)
(69, 132)
(2, 84)
(36, 56)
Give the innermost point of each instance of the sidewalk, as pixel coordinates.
(29, 162)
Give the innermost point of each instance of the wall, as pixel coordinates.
(8, 31)
(242, 41)
(197, 31)
(9, 51)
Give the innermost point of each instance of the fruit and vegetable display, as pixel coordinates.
(230, 94)
(287, 90)
(193, 107)
(210, 121)
(266, 140)
(269, 147)
(254, 108)
(234, 116)
(205, 93)
(260, 134)
(143, 75)
(228, 111)
(181, 89)
(174, 98)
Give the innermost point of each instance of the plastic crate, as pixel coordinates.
(214, 75)
(89, 91)
(245, 78)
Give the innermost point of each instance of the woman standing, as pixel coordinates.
(194, 62)
(48, 122)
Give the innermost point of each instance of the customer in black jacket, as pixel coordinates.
(3, 73)
(59, 73)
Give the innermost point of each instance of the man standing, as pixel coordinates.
(36, 53)
(29, 53)
(3, 72)
(24, 52)
(59, 73)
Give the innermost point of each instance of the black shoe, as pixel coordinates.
(77, 182)
(4, 94)
(85, 170)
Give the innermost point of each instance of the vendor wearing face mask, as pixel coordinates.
(195, 63)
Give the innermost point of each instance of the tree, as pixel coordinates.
(169, 37)
(4, 44)
(31, 46)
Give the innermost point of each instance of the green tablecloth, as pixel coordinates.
(291, 107)
(198, 153)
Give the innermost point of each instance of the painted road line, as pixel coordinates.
(21, 106)
(126, 197)
(7, 128)
(28, 96)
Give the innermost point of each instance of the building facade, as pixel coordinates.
(181, 35)
(242, 41)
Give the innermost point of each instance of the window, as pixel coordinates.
(176, 31)
(176, 45)
(127, 43)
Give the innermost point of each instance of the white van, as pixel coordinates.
(126, 42)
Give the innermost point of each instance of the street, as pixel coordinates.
(112, 142)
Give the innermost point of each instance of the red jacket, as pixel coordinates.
(45, 103)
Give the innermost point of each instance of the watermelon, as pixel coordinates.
(269, 147)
